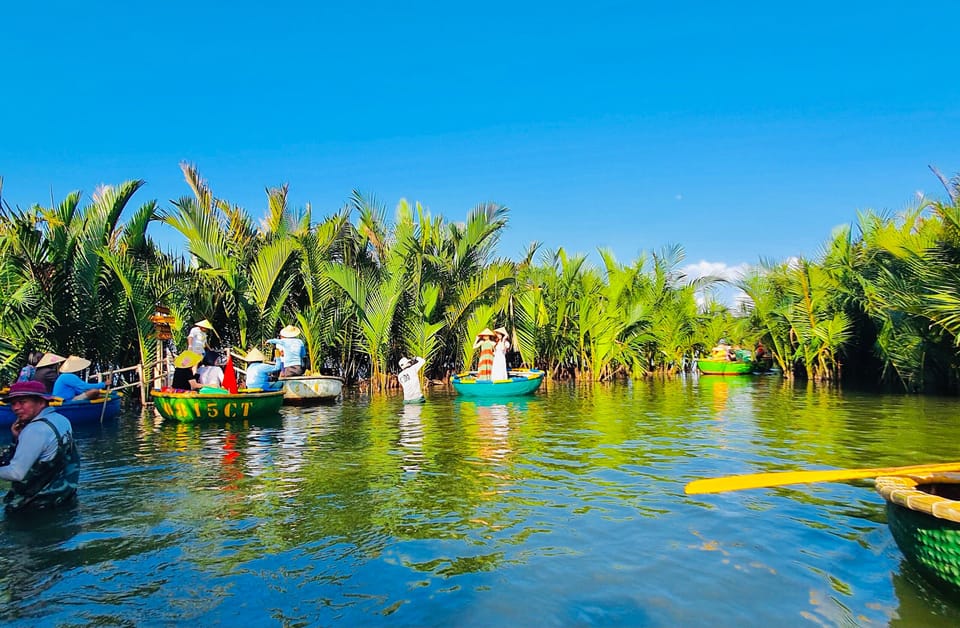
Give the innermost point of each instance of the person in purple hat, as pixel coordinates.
(42, 465)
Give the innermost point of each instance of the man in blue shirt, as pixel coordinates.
(258, 373)
(293, 349)
(69, 386)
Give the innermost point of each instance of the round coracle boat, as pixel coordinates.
(923, 513)
(519, 382)
(725, 367)
(306, 389)
(190, 406)
(82, 411)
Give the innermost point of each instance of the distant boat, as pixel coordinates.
(520, 382)
(924, 518)
(189, 407)
(311, 388)
(83, 411)
(724, 367)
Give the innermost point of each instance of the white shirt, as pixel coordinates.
(37, 442)
(410, 381)
(210, 376)
(197, 340)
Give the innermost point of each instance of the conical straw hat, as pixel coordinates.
(255, 355)
(486, 332)
(290, 331)
(74, 364)
(187, 359)
(49, 359)
(205, 324)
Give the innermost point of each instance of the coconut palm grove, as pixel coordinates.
(879, 304)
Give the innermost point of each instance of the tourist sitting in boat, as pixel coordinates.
(292, 349)
(723, 351)
(758, 351)
(48, 370)
(209, 373)
(486, 341)
(258, 371)
(410, 380)
(29, 370)
(69, 386)
(184, 377)
(42, 464)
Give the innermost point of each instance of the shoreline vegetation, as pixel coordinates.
(880, 304)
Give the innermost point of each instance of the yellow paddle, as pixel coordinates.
(764, 480)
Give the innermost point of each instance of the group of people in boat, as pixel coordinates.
(733, 353)
(200, 367)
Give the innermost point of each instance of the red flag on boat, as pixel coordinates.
(229, 375)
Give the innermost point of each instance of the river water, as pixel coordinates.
(565, 508)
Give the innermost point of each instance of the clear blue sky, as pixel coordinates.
(737, 133)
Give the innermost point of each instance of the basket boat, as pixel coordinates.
(923, 513)
(78, 412)
(189, 407)
(725, 367)
(311, 388)
(520, 382)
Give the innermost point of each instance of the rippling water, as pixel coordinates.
(565, 508)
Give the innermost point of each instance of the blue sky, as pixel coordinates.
(738, 134)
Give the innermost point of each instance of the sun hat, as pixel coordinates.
(502, 331)
(290, 331)
(49, 359)
(31, 388)
(187, 359)
(405, 362)
(486, 332)
(205, 324)
(73, 364)
(255, 355)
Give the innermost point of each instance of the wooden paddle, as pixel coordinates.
(765, 480)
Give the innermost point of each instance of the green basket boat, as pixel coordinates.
(190, 406)
(520, 383)
(724, 367)
(924, 518)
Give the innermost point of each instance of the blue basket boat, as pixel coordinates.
(83, 411)
(519, 383)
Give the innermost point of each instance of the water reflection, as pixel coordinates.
(548, 509)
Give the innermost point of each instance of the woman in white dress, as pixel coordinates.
(500, 355)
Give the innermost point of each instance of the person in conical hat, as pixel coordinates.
(292, 351)
(48, 369)
(69, 385)
(259, 371)
(197, 340)
(184, 373)
(43, 464)
(486, 341)
(499, 371)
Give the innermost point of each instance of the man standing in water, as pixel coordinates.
(42, 464)
(410, 380)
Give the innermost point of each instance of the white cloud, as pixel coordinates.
(729, 295)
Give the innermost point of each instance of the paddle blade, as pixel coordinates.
(229, 375)
(767, 480)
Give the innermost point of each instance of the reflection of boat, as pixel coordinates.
(83, 411)
(520, 382)
(190, 406)
(311, 388)
(724, 367)
(923, 513)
